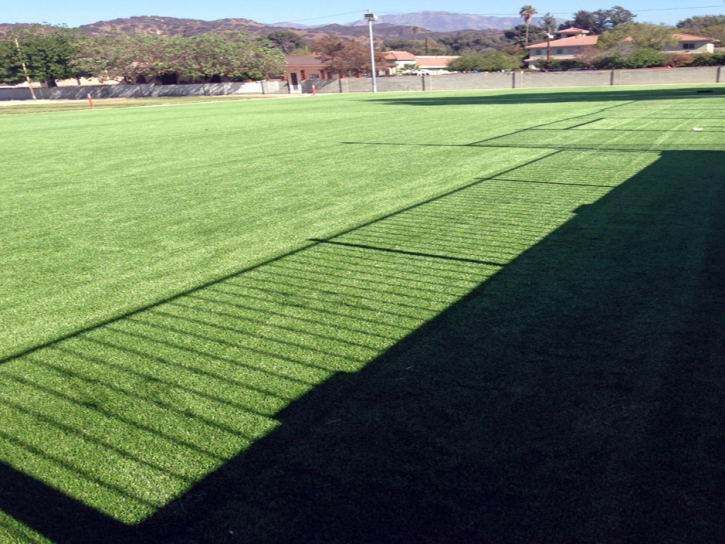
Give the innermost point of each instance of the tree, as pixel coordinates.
(644, 35)
(141, 58)
(486, 61)
(599, 21)
(129, 58)
(234, 55)
(712, 26)
(548, 22)
(286, 41)
(416, 30)
(48, 52)
(345, 57)
(527, 12)
(698, 23)
(415, 47)
(521, 33)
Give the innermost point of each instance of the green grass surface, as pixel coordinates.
(446, 317)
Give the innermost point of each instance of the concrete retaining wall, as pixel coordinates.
(145, 91)
(452, 82)
(522, 80)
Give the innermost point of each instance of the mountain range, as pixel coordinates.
(387, 27)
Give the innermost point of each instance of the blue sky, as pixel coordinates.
(80, 12)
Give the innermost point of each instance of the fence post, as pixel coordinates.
(717, 76)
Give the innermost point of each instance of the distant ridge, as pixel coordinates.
(443, 21)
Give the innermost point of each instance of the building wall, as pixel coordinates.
(700, 47)
(145, 91)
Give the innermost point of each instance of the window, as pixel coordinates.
(539, 52)
(559, 51)
(688, 46)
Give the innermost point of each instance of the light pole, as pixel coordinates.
(548, 44)
(370, 16)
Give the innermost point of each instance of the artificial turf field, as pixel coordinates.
(459, 317)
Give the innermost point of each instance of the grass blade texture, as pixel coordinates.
(435, 317)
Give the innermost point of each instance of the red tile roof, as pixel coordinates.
(572, 41)
(693, 38)
(399, 55)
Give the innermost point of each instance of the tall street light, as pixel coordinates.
(370, 16)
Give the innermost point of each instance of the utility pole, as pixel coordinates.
(370, 16)
(25, 70)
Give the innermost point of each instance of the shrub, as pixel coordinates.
(677, 60)
(487, 61)
(562, 64)
(641, 57)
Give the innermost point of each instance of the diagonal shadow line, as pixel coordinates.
(558, 148)
(370, 279)
(243, 308)
(71, 467)
(114, 415)
(582, 124)
(552, 123)
(172, 385)
(165, 405)
(97, 441)
(216, 281)
(96, 524)
(392, 279)
(413, 253)
(557, 183)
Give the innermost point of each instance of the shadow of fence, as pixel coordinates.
(497, 364)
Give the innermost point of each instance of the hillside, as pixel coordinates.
(171, 26)
(443, 21)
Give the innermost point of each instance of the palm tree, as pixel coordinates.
(416, 30)
(526, 13)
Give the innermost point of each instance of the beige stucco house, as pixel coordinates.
(575, 42)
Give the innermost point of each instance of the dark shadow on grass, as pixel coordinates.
(575, 396)
(527, 96)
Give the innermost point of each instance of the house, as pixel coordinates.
(689, 43)
(395, 61)
(299, 68)
(575, 42)
(435, 65)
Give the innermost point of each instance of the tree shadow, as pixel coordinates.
(523, 360)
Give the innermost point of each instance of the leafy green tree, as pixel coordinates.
(128, 58)
(416, 47)
(698, 23)
(599, 21)
(486, 61)
(645, 35)
(345, 57)
(630, 56)
(141, 58)
(48, 52)
(286, 41)
(521, 33)
(527, 12)
(548, 22)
